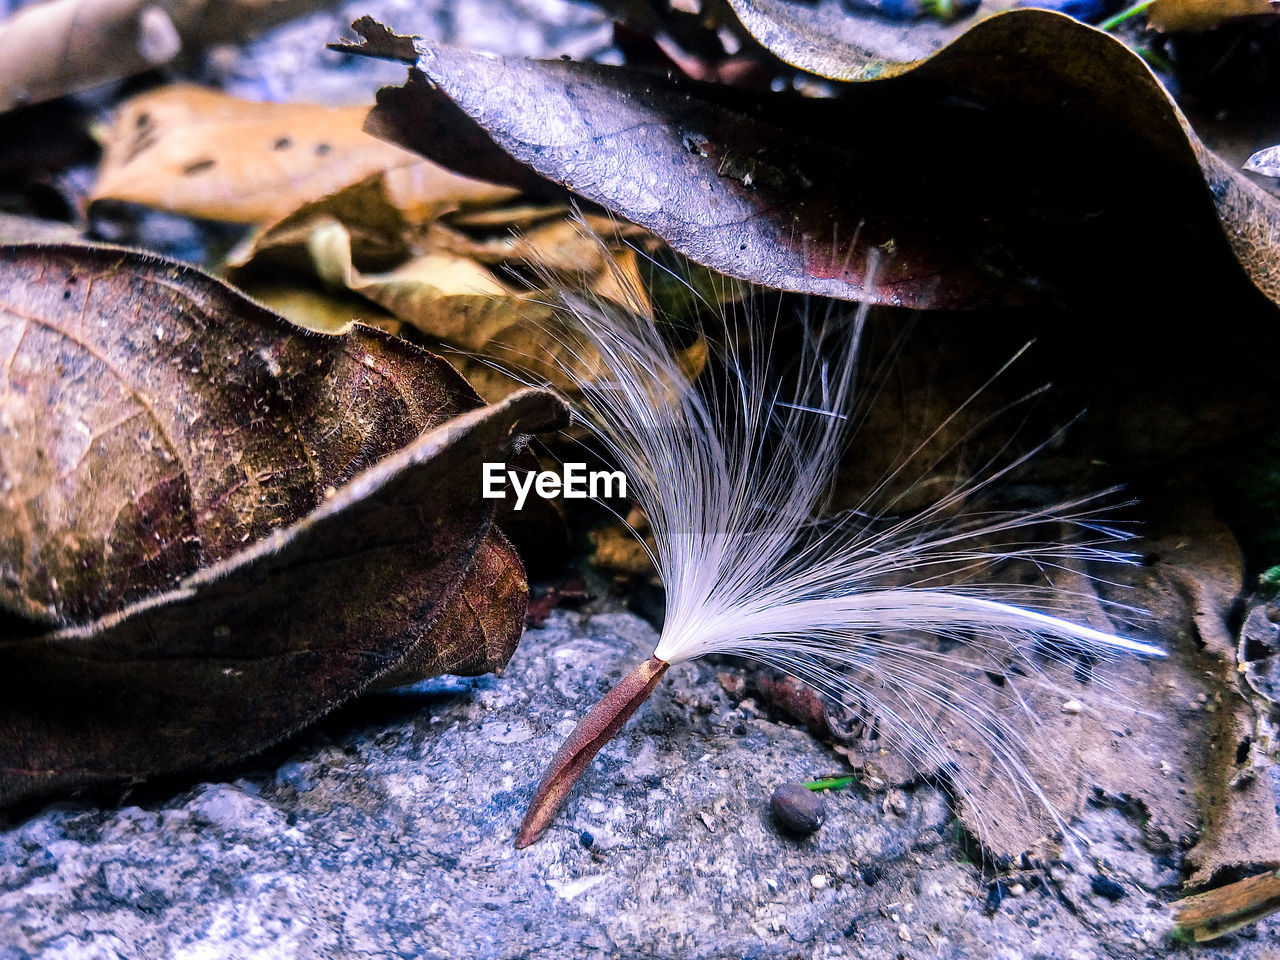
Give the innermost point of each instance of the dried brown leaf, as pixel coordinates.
(454, 298)
(484, 617)
(1190, 587)
(217, 528)
(963, 179)
(832, 40)
(202, 153)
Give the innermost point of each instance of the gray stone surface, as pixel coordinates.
(291, 62)
(387, 833)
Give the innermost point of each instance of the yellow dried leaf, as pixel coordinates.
(201, 153)
(321, 312)
(518, 217)
(618, 551)
(423, 191)
(387, 215)
(458, 301)
(438, 279)
(622, 284)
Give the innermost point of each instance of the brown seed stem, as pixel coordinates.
(592, 732)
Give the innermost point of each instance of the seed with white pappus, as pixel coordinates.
(797, 809)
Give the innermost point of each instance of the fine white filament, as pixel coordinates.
(733, 475)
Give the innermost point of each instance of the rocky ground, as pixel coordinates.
(387, 832)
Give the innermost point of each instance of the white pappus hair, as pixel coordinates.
(733, 475)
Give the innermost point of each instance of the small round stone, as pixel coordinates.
(797, 809)
(1106, 887)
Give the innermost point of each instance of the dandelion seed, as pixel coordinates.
(732, 477)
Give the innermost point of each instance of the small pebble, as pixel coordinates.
(586, 839)
(1072, 706)
(818, 881)
(1106, 887)
(895, 802)
(996, 893)
(797, 809)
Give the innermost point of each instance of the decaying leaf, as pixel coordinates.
(963, 178)
(387, 215)
(848, 44)
(1181, 754)
(1189, 586)
(1169, 16)
(61, 46)
(216, 527)
(485, 617)
(456, 279)
(202, 153)
(453, 299)
(696, 174)
(1239, 824)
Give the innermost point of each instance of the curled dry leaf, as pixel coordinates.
(61, 46)
(456, 300)
(217, 528)
(202, 153)
(454, 279)
(847, 43)
(965, 177)
(1173, 736)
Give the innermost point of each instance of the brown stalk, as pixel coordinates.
(1206, 916)
(592, 732)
